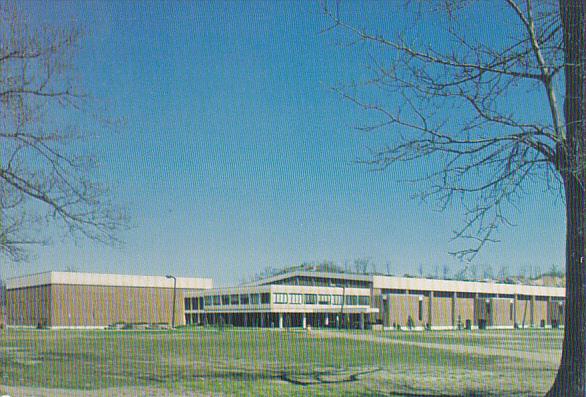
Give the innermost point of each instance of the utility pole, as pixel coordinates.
(174, 295)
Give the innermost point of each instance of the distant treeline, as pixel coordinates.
(467, 272)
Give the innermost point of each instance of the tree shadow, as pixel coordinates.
(414, 393)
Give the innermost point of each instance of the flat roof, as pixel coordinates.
(317, 289)
(425, 284)
(103, 279)
(302, 273)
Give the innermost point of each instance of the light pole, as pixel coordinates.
(174, 294)
(342, 305)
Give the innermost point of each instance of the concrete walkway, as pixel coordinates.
(551, 358)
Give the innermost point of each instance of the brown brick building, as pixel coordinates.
(297, 299)
(88, 300)
(319, 299)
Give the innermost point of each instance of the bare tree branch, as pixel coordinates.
(42, 180)
(488, 153)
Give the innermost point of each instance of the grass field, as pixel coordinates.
(201, 362)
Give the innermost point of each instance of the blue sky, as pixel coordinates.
(236, 155)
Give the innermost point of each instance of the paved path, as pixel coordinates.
(546, 357)
(129, 391)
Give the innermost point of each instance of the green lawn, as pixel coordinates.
(536, 340)
(284, 363)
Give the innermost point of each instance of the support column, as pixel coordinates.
(532, 314)
(430, 310)
(262, 320)
(304, 320)
(280, 320)
(515, 301)
(476, 309)
(387, 311)
(381, 311)
(548, 312)
(454, 320)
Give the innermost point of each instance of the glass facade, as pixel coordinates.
(264, 298)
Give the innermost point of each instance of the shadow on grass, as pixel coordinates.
(313, 378)
(297, 378)
(413, 393)
(307, 378)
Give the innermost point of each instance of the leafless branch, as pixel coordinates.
(42, 180)
(486, 153)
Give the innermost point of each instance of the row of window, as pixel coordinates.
(323, 282)
(448, 294)
(278, 298)
(321, 299)
(227, 300)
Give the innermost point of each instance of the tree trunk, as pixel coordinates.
(571, 377)
(571, 380)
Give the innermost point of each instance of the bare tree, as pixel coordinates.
(361, 265)
(461, 274)
(46, 179)
(473, 271)
(488, 154)
(503, 273)
(555, 271)
(445, 271)
(487, 273)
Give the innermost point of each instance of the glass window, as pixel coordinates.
(351, 300)
(394, 291)
(217, 300)
(225, 299)
(244, 299)
(337, 300)
(310, 299)
(364, 300)
(295, 299)
(418, 292)
(187, 303)
(420, 310)
(254, 299)
(194, 303)
(481, 295)
(325, 299)
(208, 300)
(265, 298)
(280, 298)
(234, 300)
